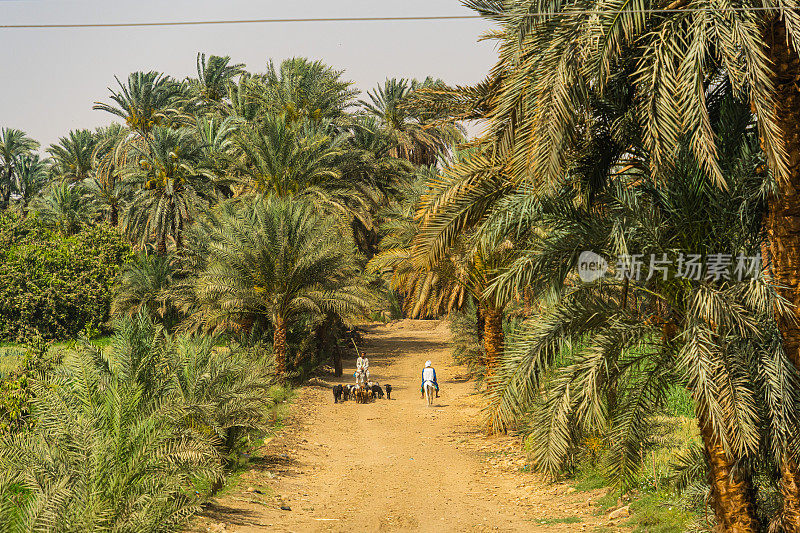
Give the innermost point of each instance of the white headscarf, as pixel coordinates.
(427, 364)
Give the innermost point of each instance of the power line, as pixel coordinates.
(391, 19)
(244, 21)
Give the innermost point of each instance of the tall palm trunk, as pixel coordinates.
(783, 230)
(492, 338)
(493, 346)
(732, 493)
(279, 345)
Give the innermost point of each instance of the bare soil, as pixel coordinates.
(397, 465)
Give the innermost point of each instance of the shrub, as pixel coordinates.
(55, 286)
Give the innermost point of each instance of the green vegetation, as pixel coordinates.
(142, 423)
(276, 208)
(54, 285)
(565, 520)
(631, 135)
(221, 235)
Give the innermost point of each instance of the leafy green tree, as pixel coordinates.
(13, 145)
(52, 285)
(273, 261)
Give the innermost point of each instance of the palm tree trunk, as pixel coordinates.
(783, 230)
(161, 246)
(732, 494)
(279, 345)
(113, 215)
(480, 321)
(527, 298)
(492, 338)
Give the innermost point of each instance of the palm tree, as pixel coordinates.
(716, 337)
(216, 136)
(169, 180)
(32, 176)
(147, 100)
(73, 155)
(111, 153)
(64, 207)
(548, 63)
(272, 261)
(124, 434)
(145, 284)
(283, 158)
(308, 90)
(428, 291)
(13, 145)
(416, 137)
(213, 77)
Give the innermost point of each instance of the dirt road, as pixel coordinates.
(397, 465)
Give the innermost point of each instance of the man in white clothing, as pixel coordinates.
(429, 374)
(362, 369)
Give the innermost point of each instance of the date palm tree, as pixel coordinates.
(146, 100)
(144, 285)
(300, 89)
(715, 336)
(415, 135)
(549, 61)
(271, 261)
(13, 144)
(73, 155)
(170, 182)
(214, 74)
(284, 158)
(64, 207)
(111, 154)
(426, 292)
(32, 176)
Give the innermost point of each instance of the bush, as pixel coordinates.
(55, 286)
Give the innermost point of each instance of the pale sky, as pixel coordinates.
(51, 77)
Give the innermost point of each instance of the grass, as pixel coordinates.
(654, 507)
(590, 477)
(658, 513)
(564, 520)
(10, 352)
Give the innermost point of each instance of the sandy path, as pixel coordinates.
(396, 465)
